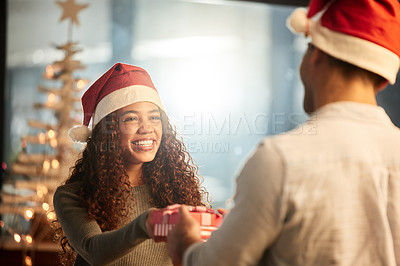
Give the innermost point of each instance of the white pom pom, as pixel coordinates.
(298, 22)
(79, 133)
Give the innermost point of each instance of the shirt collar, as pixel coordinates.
(353, 110)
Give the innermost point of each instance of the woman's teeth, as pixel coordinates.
(143, 142)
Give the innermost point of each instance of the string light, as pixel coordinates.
(51, 99)
(40, 193)
(55, 164)
(51, 216)
(17, 238)
(51, 133)
(49, 71)
(28, 214)
(29, 239)
(41, 190)
(53, 143)
(45, 206)
(42, 138)
(28, 261)
(60, 70)
(81, 84)
(46, 166)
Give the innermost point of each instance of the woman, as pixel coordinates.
(132, 161)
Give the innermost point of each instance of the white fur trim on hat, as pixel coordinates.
(356, 51)
(79, 133)
(298, 22)
(123, 97)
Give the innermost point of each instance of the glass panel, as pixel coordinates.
(215, 66)
(226, 71)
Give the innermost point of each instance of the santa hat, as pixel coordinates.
(365, 33)
(120, 86)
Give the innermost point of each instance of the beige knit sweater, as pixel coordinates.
(128, 245)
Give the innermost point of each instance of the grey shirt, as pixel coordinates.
(128, 245)
(325, 193)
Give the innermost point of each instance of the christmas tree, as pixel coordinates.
(36, 175)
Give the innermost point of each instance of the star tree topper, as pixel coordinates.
(70, 10)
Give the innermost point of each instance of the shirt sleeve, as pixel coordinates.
(256, 219)
(85, 235)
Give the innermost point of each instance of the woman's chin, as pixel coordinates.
(140, 158)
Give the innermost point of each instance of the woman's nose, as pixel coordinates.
(145, 128)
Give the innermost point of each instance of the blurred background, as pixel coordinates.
(227, 72)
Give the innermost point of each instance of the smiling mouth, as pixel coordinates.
(143, 143)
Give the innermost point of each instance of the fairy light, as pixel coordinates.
(17, 238)
(45, 206)
(29, 239)
(81, 84)
(41, 191)
(49, 71)
(53, 143)
(51, 133)
(46, 166)
(28, 261)
(42, 138)
(51, 99)
(51, 216)
(55, 164)
(28, 214)
(42, 188)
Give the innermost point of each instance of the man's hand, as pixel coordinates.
(223, 212)
(185, 233)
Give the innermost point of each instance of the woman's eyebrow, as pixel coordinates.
(136, 112)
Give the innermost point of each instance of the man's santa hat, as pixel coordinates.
(120, 86)
(365, 33)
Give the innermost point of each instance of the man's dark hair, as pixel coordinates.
(350, 70)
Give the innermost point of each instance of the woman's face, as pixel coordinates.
(141, 132)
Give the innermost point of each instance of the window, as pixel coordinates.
(226, 71)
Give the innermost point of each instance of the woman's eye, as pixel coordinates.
(155, 117)
(130, 119)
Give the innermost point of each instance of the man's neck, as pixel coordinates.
(337, 90)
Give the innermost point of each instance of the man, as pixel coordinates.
(328, 192)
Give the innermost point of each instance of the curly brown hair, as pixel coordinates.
(172, 177)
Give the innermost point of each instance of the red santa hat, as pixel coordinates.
(365, 33)
(120, 86)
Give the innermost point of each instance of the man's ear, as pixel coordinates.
(382, 86)
(316, 56)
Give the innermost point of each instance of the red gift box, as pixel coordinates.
(166, 218)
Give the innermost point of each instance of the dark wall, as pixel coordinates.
(3, 34)
(389, 99)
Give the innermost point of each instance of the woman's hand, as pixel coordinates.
(150, 223)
